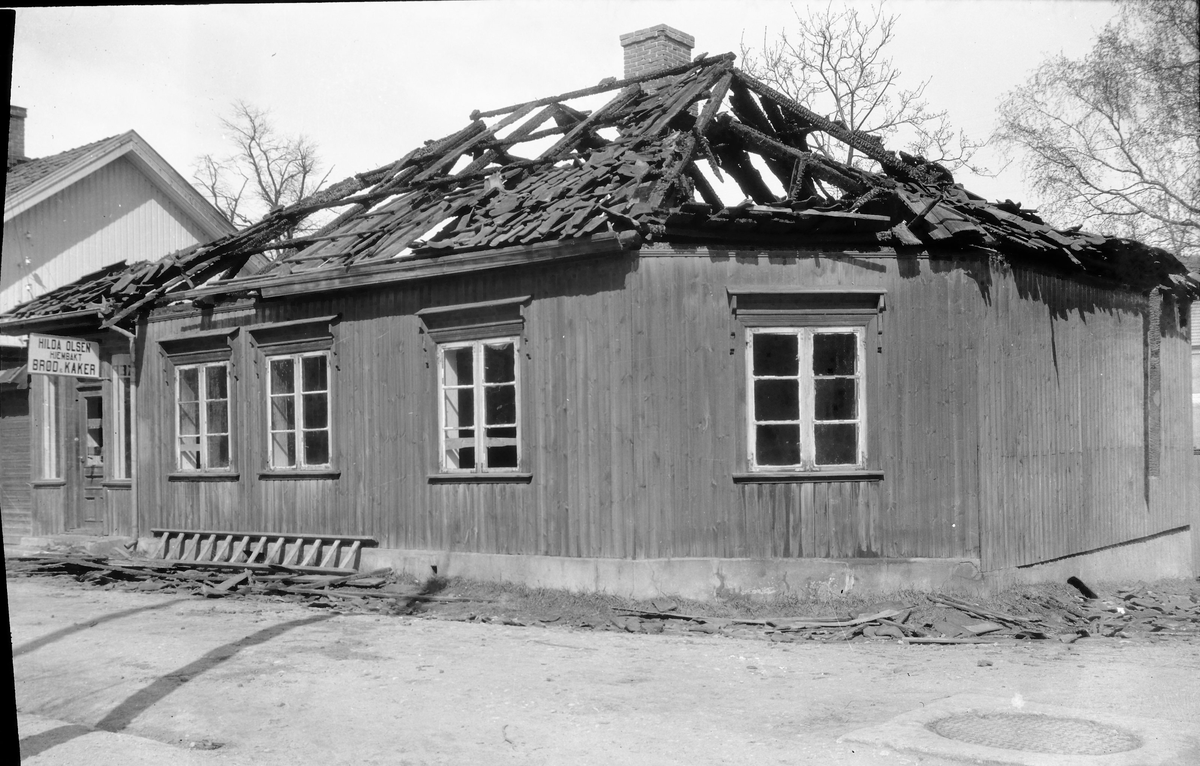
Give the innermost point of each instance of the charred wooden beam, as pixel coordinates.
(890, 161)
(737, 163)
(786, 126)
(682, 101)
(747, 110)
(817, 166)
(585, 126)
(726, 58)
(707, 193)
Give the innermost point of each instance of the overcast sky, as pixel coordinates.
(369, 82)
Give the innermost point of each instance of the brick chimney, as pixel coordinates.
(16, 133)
(659, 47)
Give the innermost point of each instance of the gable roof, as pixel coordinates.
(547, 171)
(29, 182)
(23, 173)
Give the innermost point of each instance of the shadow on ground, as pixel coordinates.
(123, 714)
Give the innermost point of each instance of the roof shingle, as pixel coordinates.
(25, 173)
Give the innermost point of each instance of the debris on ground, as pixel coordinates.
(365, 591)
(1065, 613)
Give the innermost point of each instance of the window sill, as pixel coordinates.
(118, 484)
(299, 473)
(40, 483)
(184, 476)
(797, 477)
(480, 478)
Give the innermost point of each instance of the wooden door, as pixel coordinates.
(89, 511)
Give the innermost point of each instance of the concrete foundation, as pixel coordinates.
(1167, 555)
(693, 578)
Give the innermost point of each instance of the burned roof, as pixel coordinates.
(649, 162)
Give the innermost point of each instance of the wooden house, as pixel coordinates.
(66, 465)
(553, 348)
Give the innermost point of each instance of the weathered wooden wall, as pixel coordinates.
(15, 468)
(1003, 399)
(1065, 420)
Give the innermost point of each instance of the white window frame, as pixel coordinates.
(50, 467)
(480, 442)
(805, 381)
(204, 433)
(121, 457)
(299, 427)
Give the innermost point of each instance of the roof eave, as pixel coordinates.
(89, 318)
(146, 159)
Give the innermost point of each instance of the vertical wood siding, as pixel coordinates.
(1005, 418)
(1064, 422)
(111, 215)
(16, 467)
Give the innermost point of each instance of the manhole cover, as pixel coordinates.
(1035, 733)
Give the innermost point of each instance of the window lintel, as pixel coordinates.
(203, 346)
(312, 334)
(776, 300)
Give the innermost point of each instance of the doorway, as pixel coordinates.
(89, 510)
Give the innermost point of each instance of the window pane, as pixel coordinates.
(283, 413)
(836, 443)
(189, 386)
(777, 444)
(776, 400)
(459, 366)
(189, 458)
(504, 432)
(189, 418)
(502, 457)
(461, 458)
(460, 407)
(776, 354)
(500, 405)
(283, 450)
(218, 417)
(282, 380)
(499, 364)
(216, 383)
(834, 354)
(836, 399)
(316, 447)
(316, 411)
(218, 452)
(313, 374)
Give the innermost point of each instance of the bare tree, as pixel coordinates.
(266, 170)
(835, 63)
(1112, 141)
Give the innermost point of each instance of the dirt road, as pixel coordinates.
(277, 683)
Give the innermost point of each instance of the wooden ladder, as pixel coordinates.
(324, 554)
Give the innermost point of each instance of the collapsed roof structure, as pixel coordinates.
(647, 165)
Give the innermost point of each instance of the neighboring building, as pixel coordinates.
(66, 216)
(547, 349)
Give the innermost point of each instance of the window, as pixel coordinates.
(478, 413)
(809, 371)
(202, 417)
(122, 417)
(93, 448)
(49, 466)
(298, 394)
(806, 398)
